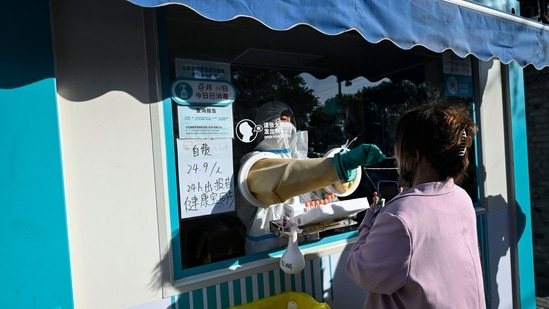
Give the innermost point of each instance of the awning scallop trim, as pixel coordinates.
(438, 25)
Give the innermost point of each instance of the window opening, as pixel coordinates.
(369, 116)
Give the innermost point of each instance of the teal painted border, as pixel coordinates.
(482, 220)
(35, 259)
(522, 187)
(171, 167)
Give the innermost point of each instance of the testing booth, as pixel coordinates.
(125, 125)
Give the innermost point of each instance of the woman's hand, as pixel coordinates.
(375, 200)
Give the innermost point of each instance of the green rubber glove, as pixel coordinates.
(346, 161)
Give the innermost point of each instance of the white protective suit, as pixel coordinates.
(277, 173)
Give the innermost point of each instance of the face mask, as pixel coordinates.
(281, 139)
(301, 149)
(288, 132)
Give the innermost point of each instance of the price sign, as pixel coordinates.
(205, 176)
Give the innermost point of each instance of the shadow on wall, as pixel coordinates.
(343, 292)
(324, 278)
(497, 236)
(232, 289)
(30, 49)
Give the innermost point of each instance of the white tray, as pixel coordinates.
(332, 211)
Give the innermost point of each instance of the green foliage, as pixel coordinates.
(259, 86)
(369, 115)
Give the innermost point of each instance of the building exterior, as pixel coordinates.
(89, 181)
(536, 82)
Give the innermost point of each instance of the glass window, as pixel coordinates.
(267, 65)
(333, 114)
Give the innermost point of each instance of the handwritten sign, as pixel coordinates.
(206, 183)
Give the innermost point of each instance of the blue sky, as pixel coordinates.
(327, 88)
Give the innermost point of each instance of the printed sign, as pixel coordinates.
(458, 76)
(186, 91)
(204, 122)
(206, 183)
(197, 69)
(247, 130)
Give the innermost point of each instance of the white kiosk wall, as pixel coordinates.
(104, 91)
(493, 181)
(112, 141)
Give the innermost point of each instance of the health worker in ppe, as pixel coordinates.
(278, 172)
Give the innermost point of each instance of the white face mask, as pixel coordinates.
(279, 138)
(287, 131)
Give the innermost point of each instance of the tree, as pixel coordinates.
(258, 86)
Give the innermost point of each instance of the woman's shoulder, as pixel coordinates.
(417, 201)
(411, 201)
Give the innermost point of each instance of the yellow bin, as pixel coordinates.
(286, 300)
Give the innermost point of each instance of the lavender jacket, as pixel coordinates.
(420, 251)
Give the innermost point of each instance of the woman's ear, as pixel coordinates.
(417, 157)
(409, 171)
